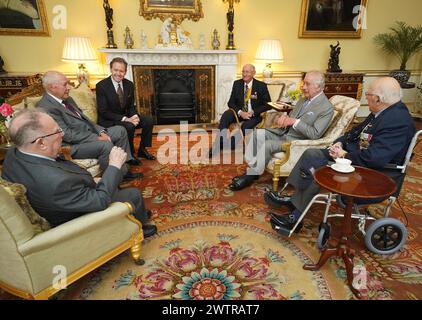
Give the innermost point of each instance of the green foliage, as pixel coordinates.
(403, 42)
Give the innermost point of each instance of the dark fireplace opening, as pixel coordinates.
(174, 96)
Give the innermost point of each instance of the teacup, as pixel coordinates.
(343, 164)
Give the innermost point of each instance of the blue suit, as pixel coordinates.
(374, 143)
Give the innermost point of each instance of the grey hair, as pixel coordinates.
(319, 78)
(30, 126)
(388, 95)
(50, 77)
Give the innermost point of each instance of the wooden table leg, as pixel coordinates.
(342, 249)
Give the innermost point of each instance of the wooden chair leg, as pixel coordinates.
(276, 174)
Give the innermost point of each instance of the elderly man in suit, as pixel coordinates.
(57, 189)
(248, 99)
(382, 138)
(115, 102)
(87, 139)
(309, 119)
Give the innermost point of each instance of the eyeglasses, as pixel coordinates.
(370, 94)
(59, 130)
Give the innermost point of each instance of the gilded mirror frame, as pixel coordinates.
(318, 19)
(178, 10)
(15, 17)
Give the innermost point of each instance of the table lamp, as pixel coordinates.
(269, 51)
(79, 50)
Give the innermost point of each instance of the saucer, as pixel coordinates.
(346, 170)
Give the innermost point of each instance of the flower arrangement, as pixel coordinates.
(6, 113)
(294, 95)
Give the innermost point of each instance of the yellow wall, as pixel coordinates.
(254, 20)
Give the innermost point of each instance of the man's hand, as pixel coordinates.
(133, 119)
(246, 115)
(117, 157)
(285, 121)
(336, 150)
(104, 137)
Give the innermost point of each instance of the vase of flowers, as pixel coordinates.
(294, 96)
(6, 113)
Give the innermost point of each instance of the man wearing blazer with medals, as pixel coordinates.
(115, 103)
(309, 119)
(248, 99)
(381, 139)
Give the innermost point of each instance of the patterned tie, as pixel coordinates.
(120, 94)
(71, 108)
(246, 97)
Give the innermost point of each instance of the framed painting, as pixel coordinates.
(332, 18)
(23, 17)
(177, 9)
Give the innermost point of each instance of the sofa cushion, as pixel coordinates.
(31, 102)
(18, 191)
(85, 100)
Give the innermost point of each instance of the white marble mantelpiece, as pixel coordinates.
(225, 62)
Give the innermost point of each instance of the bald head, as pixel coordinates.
(25, 126)
(248, 72)
(387, 89)
(56, 84)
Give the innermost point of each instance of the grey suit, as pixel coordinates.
(314, 121)
(82, 134)
(61, 191)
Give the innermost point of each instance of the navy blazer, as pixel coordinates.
(259, 97)
(391, 133)
(110, 112)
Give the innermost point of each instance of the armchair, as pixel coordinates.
(29, 257)
(282, 163)
(28, 98)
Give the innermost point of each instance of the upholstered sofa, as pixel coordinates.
(84, 97)
(282, 163)
(36, 261)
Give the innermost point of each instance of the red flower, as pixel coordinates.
(6, 110)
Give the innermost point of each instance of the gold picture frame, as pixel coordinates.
(332, 18)
(178, 10)
(26, 18)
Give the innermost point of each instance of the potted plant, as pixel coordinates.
(403, 41)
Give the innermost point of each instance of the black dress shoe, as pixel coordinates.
(274, 200)
(286, 221)
(132, 176)
(134, 162)
(241, 182)
(149, 230)
(143, 153)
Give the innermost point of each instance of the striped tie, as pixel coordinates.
(120, 94)
(246, 98)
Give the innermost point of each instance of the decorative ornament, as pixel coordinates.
(216, 40)
(128, 38)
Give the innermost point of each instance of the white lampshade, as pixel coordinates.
(269, 50)
(78, 49)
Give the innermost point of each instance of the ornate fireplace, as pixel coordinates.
(212, 75)
(176, 93)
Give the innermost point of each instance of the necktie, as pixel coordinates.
(72, 109)
(120, 94)
(247, 95)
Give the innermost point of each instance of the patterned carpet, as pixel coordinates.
(214, 243)
(217, 244)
